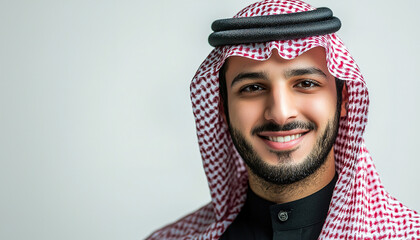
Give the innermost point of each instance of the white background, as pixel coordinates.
(97, 136)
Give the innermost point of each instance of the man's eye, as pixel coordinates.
(307, 84)
(251, 88)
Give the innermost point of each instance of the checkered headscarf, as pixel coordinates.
(360, 208)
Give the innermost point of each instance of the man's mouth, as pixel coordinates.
(284, 140)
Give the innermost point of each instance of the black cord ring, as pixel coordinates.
(273, 27)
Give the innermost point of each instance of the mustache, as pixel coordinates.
(273, 127)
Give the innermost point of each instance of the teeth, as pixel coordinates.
(285, 138)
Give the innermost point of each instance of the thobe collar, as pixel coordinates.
(293, 215)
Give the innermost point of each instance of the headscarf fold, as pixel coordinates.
(360, 207)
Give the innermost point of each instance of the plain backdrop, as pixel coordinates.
(97, 136)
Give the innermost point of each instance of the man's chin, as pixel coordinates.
(286, 172)
(277, 159)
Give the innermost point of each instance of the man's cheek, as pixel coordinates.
(245, 115)
(317, 108)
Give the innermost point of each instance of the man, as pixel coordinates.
(280, 118)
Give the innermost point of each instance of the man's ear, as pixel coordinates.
(344, 101)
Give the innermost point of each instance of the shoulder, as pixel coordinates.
(188, 227)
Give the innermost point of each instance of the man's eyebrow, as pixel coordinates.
(304, 71)
(248, 75)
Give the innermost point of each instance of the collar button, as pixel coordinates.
(283, 216)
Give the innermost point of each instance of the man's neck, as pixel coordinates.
(291, 192)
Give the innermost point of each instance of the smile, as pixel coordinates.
(283, 139)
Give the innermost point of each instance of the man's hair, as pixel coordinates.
(223, 90)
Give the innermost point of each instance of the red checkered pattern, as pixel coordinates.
(360, 207)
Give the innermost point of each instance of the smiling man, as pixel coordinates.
(283, 120)
(283, 117)
(281, 108)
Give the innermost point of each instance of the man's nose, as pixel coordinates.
(280, 107)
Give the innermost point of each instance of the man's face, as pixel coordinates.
(283, 114)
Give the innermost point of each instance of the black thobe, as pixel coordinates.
(260, 219)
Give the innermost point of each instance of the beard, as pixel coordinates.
(285, 172)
